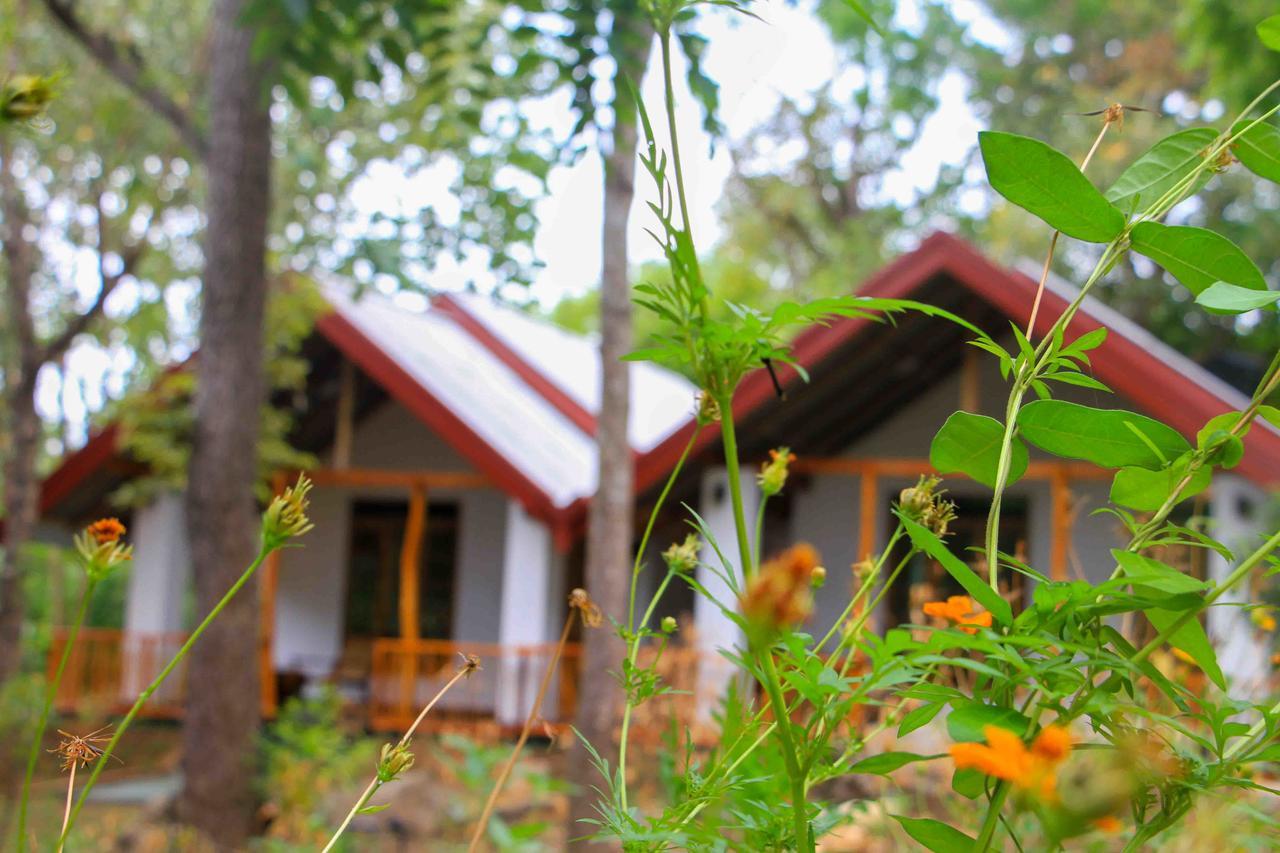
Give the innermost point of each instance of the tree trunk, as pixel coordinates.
(222, 709)
(21, 489)
(609, 525)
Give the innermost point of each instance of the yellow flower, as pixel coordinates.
(1006, 757)
(959, 610)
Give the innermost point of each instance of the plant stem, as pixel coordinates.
(66, 810)
(483, 822)
(799, 798)
(633, 650)
(664, 39)
(263, 551)
(725, 401)
(51, 695)
(992, 819)
(377, 783)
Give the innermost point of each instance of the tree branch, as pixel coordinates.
(128, 69)
(129, 257)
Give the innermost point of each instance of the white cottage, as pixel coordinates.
(460, 460)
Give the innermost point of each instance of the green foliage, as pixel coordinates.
(969, 444)
(1162, 167)
(1109, 438)
(306, 759)
(1196, 257)
(1042, 671)
(1226, 298)
(156, 423)
(1045, 182)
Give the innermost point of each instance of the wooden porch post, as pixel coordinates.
(867, 504)
(410, 554)
(267, 585)
(1060, 501)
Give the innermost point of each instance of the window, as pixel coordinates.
(926, 580)
(373, 582)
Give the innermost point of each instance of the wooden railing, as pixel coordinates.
(406, 674)
(108, 668)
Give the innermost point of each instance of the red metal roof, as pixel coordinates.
(1131, 361)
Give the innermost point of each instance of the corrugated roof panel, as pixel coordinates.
(661, 401)
(481, 391)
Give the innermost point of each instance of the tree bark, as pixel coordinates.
(609, 525)
(222, 710)
(21, 490)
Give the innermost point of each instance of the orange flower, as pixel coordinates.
(1005, 756)
(959, 610)
(1107, 823)
(106, 530)
(779, 594)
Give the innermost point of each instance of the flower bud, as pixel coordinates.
(669, 625)
(99, 548)
(395, 760)
(286, 516)
(708, 409)
(773, 474)
(683, 558)
(818, 578)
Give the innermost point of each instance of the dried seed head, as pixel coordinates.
(99, 547)
(591, 615)
(286, 517)
(470, 664)
(923, 503)
(79, 750)
(682, 558)
(1114, 114)
(395, 760)
(773, 474)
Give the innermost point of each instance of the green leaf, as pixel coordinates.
(1161, 167)
(966, 722)
(374, 809)
(1155, 574)
(936, 835)
(917, 717)
(970, 444)
(969, 783)
(1046, 183)
(1258, 148)
(1223, 298)
(1197, 257)
(1269, 32)
(887, 762)
(1191, 639)
(926, 541)
(1108, 438)
(1146, 491)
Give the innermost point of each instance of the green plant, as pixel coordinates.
(284, 519)
(307, 758)
(1032, 672)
